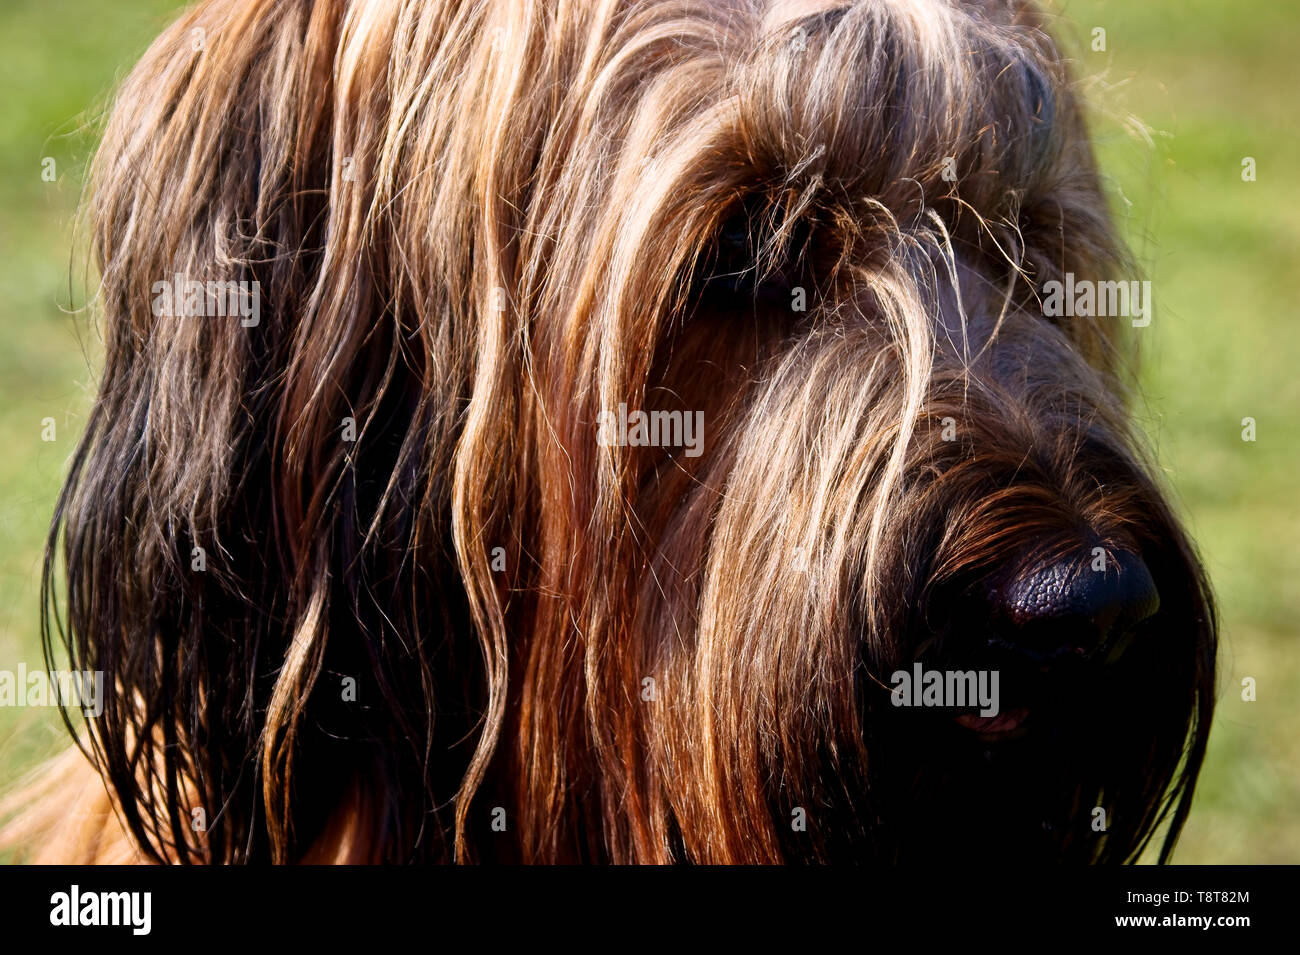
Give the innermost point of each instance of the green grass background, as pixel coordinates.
(1212, 81)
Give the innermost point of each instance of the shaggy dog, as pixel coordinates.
(581, 430)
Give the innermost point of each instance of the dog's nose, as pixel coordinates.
(1075, 608)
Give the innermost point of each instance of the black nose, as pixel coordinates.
(1074, 608)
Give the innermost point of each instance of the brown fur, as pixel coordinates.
(531, 237)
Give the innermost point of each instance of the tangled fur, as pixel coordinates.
(475, 226)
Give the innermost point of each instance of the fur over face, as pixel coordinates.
(476, 226)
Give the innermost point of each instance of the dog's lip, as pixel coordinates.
(1007, 721)
(1066, 654)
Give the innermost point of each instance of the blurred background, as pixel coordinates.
(1183, 92)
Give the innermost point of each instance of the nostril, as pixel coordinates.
(1068, 608)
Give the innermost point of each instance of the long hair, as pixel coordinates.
(363, 581)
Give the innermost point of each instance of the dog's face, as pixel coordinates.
(703, 406)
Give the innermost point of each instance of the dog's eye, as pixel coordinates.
(744, 258)
(734, 237)
(731, 265)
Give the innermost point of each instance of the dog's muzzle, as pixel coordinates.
(1052, 630)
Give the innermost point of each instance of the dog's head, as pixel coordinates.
(643, 405)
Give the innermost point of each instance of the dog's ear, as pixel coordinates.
(255, 524)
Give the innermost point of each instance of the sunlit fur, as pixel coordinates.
(527, 233)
